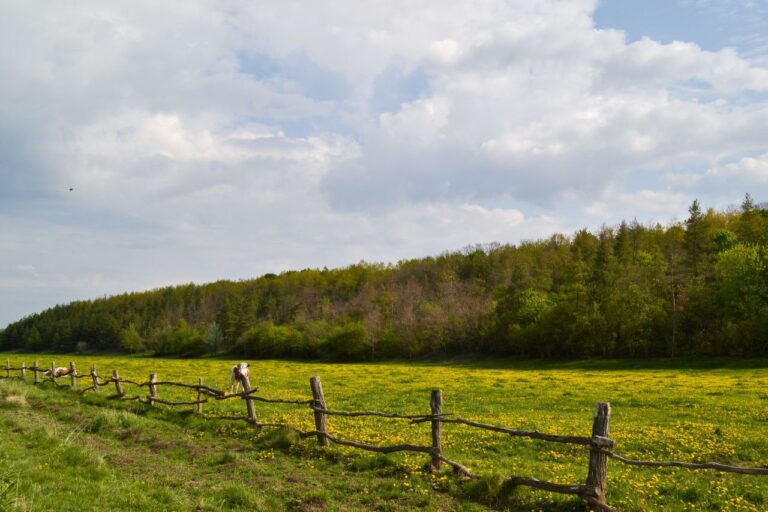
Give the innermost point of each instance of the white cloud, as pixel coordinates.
(645, 205)
(526, 109)
(750, 171)
(648, 63)
(724, 183)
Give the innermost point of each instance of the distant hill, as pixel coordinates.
(696, 287)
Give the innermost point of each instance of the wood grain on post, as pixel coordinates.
(597, 475)
(118, 384)
(23, 371)
(248, 402)
(72, 375)
(36, 370)
(152, 388)
(199, 396)
(95, 378)
(321, 420)
(436, 405)
(53, 371)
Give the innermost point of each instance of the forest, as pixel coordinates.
(696, 287)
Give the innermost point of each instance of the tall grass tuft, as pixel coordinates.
(280, 439)
(112, 419)
(8, 493)
(493, 490)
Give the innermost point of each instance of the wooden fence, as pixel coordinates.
(598, 443)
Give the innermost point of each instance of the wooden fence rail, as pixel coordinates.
(593, 491)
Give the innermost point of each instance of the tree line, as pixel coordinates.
(694, 287)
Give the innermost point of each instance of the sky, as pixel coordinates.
(225, 139)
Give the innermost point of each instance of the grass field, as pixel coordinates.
(696, 411)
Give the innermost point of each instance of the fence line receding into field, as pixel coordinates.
(599, 444)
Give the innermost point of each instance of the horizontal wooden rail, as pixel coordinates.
(425, 417)
(168, 402)
(688, 465)
(379, 449)
(533, 434)
(458, 468)
(198, 387)
(236, 417)
(280, 400)
(230, 396)
(250, 395)
(578, 490)
(125, 381)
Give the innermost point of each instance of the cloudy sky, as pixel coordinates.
(209, 140)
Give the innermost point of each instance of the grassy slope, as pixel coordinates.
(692, 410)
(78, 456)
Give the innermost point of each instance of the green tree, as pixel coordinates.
(740, 281)
(132, 340)
(214, 338)
(267, 340)
(724, 239)
(349, 342)
(34, 341)
(751, 225)
(696, 239)
(742, 298)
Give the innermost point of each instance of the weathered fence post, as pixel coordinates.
(72, 375)
(597, 475)
(199, 396)
(321, 420)
(95, 378)
(118, 384)
(152, 388)
(436, 405)
(246, 382)
(36, 369)
(53, 372)
(23, 371)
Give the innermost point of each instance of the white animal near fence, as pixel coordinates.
(236, 376)
(58, 372)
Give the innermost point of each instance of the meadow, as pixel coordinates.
(693, 411)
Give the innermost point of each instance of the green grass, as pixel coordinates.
(58, 453)
(691, 410)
